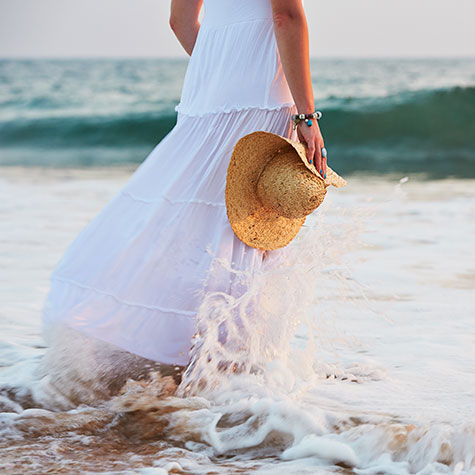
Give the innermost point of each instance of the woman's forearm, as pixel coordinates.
(291, 32)
(184, 22)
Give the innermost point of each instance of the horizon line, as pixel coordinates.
(184, 58)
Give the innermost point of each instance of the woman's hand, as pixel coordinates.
(314, 140)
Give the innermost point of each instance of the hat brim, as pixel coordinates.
(254, 224)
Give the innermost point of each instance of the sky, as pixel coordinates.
(139, 28)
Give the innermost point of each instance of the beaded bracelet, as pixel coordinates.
(307, 118)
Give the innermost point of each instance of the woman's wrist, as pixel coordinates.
(308, 119)
(305, 108)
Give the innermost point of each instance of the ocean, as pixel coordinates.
(362, 359)
(381, 116)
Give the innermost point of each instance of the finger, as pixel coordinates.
(318, 160)
(311, 152)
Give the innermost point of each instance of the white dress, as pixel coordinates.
(134, 276)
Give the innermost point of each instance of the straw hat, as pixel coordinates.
(271, 188)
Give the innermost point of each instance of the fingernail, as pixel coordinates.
(310, 161)
(321, 171)
(324, 176)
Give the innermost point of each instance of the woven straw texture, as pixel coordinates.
(271, 188)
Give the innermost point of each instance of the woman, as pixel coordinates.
(135, 275)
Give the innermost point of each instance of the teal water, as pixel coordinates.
(394, 115)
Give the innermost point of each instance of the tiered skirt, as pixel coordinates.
(135, 275)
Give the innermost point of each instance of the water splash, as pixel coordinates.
(257, 329)
(281, 405)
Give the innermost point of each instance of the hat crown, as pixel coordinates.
(288, 187)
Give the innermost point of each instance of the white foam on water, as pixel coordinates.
(351, 350)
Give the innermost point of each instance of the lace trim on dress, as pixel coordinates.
(173, 202)
(228, 110)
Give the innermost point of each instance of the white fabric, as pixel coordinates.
(235, 63)
(133, 275)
